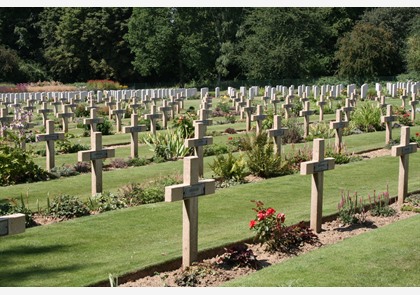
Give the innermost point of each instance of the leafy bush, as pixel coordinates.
(118, 163)
(214, 149)
(82, 167)
(403, 116)
(366, 117)
(319, 130)
(81, 110)
(229, 167)
(294, 133)
(230, 131)
(64, 171)
(261, 159)
(66, 206)
(106, 201)
(146, 193)
(136, 162)
(67, 147)
(184, 124)
(103, 85)
(168, 145)
(275, 235)
(351, 209)
(12, 206)
(380, 205)
(17, 166)
(105, 127)
(238, 256)
(296, 156)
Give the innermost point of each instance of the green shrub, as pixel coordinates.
(261, 159)
(17, 166)
(351, 209)
(366, 117)
(167, 145)
(106, 201)
(294, 133)
(319, 130)
(64, 171)
(67, 147)
(105, 127)
(238, 256)
(215, 149)
(66, 206)
(379, 205)
(81, 111)
(184, 124)
(229, 167)
(12, 206)
(136, 162)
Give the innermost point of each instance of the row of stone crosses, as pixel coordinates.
(194, 187)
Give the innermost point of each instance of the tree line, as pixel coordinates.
(206, 44)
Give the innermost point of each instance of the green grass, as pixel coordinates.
(85, 250)
(386, 257)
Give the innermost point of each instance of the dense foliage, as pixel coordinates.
(205, 45)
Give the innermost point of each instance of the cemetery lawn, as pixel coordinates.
(84, 251)
(385, 257)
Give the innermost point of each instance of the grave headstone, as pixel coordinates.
(287, 106)
(197, 143)
(259, 117)
(118, 112)
(153, 117)
(50, 137)
(277, 132)
(388, 119)
(305, 113)
(338, 125)
(347, 109)
(413, 104)
(188, 192)
(403, 150)
(93, 120)
(248, 111)
(65, 116)
(134, 129)
(44, 110)
(363, 91)
(95, 156)
(316, 168)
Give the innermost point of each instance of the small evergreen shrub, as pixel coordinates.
(67, 206)
(238, 256)
(229, 167)
(106, 201)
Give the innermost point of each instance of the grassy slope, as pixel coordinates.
(386, 257)
(83, 251)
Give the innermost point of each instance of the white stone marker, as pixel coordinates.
(403, 150)
(44, 112)
(364, 90)
(316, 167)
(338, 125)
(50, 137)
(347, 109)
(321, 103)
(153, 116)
(287, 106)
(248, 111)
(277, 132)
(388, 119)
(259, 117)
(65, 116)
(12, 224)
(96, 155)
(118, 112)
(305, 113)
(134, 129)
(197, 143)
(188, 193)
(413, 104)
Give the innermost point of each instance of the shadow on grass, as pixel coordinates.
(8, 275)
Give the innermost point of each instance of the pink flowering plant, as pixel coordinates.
(272, 232)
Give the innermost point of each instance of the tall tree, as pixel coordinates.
(281, 42)
(366, 53)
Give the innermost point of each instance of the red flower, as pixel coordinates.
(261, 215)
(252, 223)
(270, 211)
(281, 216)
(417, 134)
(230, 138)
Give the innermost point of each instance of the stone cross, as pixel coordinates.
(164, 109)
(16, 107)
(72, 105)
(50, 137)
(403, 150)
(96, 155)
(305, 113)
(93, 120)
(381, 102)
(118, 112)
(338, 126)
(55, 105)
(65, 115)
(413, 104)
(134, 129)
(248, 110)
(153, 116)
(388, 119)
(316, 167)
(403, 98)
(44, 112)
(259, 118)
(134, 105)
(275, 101)
(321, 103)
(110, 104)
(277, 132)
(203, 114)
(91, 105)
(287, 106)
(198, 142)
(174, 106)
(265, 99)
(29, 107)
(4, 120)
(188, 193)
(347, 109)
(180, 100)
